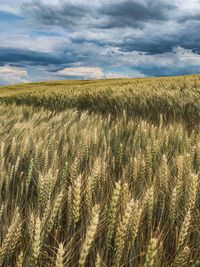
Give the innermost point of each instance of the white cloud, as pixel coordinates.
(46, 44)
(186, 57)
(132, 74)
(9, 8)
(96, 73)
(111, 75)
(188, 5)
(83, 72)
(11, 75)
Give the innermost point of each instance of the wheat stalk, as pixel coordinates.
(121, 232)
(90, 234)
(184, 229)
(13, 232)
(182, 258)
(20, 260)
(36, 245)
(60, 256)
(152, 252)
(112, 211)
(76, 198)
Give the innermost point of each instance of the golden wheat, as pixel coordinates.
(100, 173)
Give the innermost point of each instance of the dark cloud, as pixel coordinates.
(186, 37)
(128, 13)
(157, 45)
(10, 55)
(54, 62)
(154, 47)
(131, 13)
(65, 15)
(189, 16)
(149, 42)
(167, 71)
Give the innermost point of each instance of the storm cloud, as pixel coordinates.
(65, 15)
(135, 13)
(28, 57)
(128, 13)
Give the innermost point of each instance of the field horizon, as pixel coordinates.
(98, 79)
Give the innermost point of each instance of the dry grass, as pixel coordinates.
(103, 188)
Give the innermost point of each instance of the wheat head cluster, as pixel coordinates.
(100, 174)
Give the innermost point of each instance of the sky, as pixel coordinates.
(97, 39)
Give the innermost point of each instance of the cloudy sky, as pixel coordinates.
(85, 39)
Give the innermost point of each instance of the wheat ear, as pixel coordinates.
(182, 258)
(36, 245)
(60, 256)
(184, 229)
(90, 234)
(152, 252)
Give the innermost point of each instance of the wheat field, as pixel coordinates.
(100, 173)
